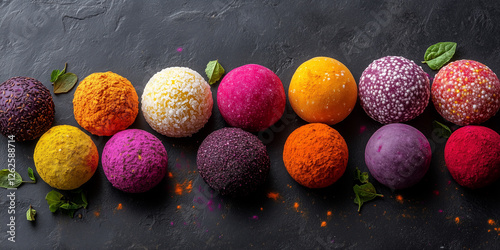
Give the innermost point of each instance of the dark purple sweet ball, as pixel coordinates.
(26, 108)
(233, 162)
(394, 89)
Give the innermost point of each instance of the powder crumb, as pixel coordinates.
(329, 213)
(323, 224)
(440, 210)
(457, 220)
(170, 175)
(179, 49)
(119, 207)
(178, 189)
(399, 198)
(435, 192)
(189, 186)
(491, 222)
(273, 196)
(255, 217)
(261, 209)
(97, 213)
(296, 206)
(362, 129)
(178, 207)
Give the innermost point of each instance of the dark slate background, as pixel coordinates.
(138, 38)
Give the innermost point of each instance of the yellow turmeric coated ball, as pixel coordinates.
(323, 90)
(65, 157)
(105, 103)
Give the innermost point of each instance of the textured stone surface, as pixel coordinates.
(138, 38)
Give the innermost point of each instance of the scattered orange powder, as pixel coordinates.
(119, 207)
(323, 224)
(189, 187)
(273, 196)
(261, 209)
(296, 206)
(178, 207)
(457, 220)
(329, 213)
(178, 189)
(491, 222)
(399, 198)
(97, 213)
(170, 175)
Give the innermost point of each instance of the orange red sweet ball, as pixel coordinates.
(322, 90)
(315, 155)
(466, 92)
(105, 103)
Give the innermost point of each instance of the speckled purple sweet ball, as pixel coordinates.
(251, 97)
(134, 161)
(233, 162)
(398, 155)
(26, 108)
(394, 89)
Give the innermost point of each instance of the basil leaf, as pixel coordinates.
(53, 198)
(214, 71)
(441, 129)
(54, 75)
(364, 193)
(439, 54)
(9, 179)
(65, 83)
(360, 176)
(30, 214)
(31, 174)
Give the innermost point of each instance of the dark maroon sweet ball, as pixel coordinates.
(394, 89)
(233, 162)
(26, 108)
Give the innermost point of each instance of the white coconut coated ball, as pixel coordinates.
(177, 102)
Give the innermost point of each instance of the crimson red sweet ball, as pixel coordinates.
(251, 97)
(472, 155)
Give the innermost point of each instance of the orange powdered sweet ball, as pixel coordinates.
(323, 90)
(105, 103)
(315, 155)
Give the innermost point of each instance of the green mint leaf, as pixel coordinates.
(441, 129)
(53, 198)
(10, 179)
(54, 75)
(364, 193)
(214, 71)
(439, 54)
(65, 83)
(31, 174)
(30, 214)
(361, 176)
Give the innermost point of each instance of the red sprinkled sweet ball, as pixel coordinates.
(466, 92)
(394, 89)
(472, 155)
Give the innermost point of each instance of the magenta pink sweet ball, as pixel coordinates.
(134, 161)
(251, 97)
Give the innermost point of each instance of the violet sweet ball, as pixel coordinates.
(394, 89)
(251, 97)
(26, 108)
(398, 155)
(134, 161)
(233, 162)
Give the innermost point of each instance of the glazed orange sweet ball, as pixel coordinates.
(322, 90)
(105, 103)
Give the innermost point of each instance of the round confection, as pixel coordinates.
(65, 157)
(322, 90)
(394, 89)
(472, 155)
(398, 155)
(251, 97)
(105, 103)
(233, 162)
(466, 92)
(26, 108)
(177, 102)
(315, 155)
(134, 161)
